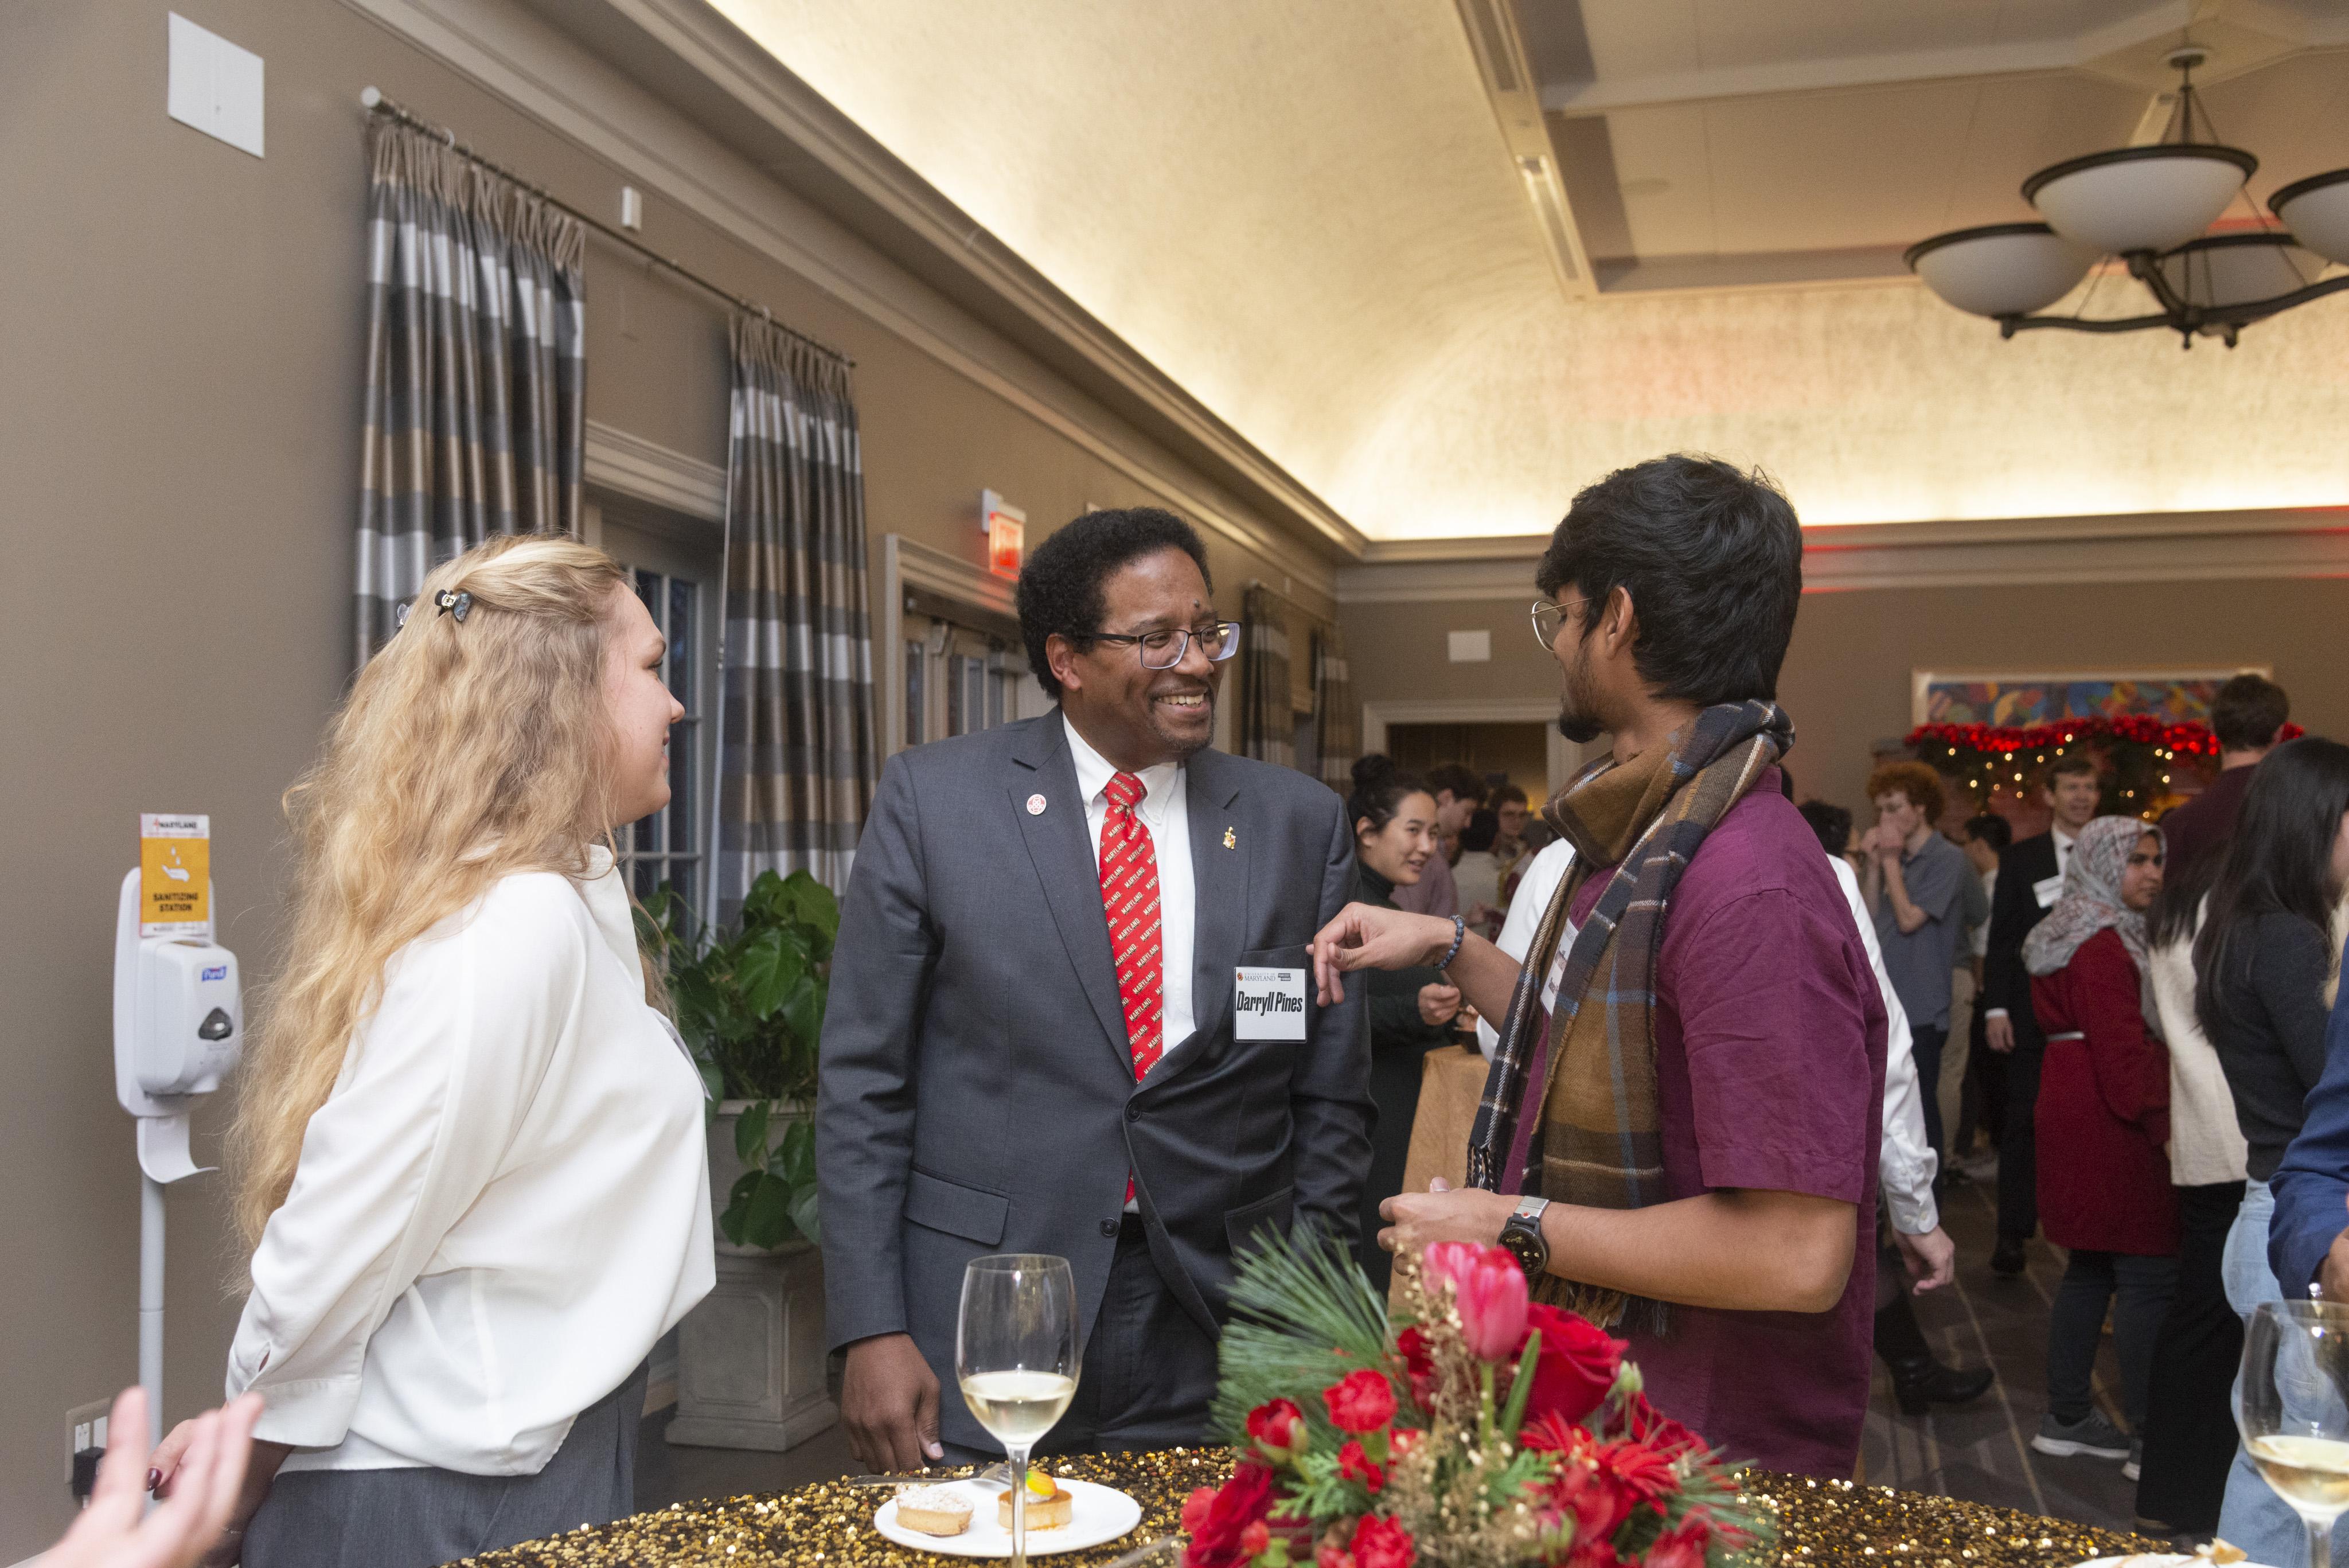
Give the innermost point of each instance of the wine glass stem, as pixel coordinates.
(1018, 1456)
(2320, 1543)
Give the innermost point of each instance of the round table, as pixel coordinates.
(829, 1525)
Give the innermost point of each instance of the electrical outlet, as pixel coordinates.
(85, 1425)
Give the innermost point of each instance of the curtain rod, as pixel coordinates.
(376, 103)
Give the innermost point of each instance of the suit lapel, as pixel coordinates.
(1219, 880)
(1064, 861)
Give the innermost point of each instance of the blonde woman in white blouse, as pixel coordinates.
(469, 1149)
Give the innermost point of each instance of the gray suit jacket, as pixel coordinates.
(977, 1091)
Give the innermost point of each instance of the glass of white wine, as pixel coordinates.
(2293, 1409)
(1016, 1357)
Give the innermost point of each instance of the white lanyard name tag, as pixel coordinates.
(2046, 890)
(1268, 1004)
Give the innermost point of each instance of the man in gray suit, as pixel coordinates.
(1032, 1043)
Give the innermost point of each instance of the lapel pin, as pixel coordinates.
(1229, 841)
(1035, 806)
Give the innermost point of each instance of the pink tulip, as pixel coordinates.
(1488, 1287)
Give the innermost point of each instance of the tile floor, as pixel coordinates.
(1980, 1451)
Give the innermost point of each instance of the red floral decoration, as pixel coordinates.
(1363, 1402)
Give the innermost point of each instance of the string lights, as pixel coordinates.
(2139, 750)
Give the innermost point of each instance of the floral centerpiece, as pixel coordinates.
(1471, 1429)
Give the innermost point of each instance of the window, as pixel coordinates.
(667, 846)
(959, 680)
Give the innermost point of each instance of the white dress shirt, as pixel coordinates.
(1166, 817)
(1904, 1165)
(502, 1205)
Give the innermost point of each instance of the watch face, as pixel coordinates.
(1526, 1249)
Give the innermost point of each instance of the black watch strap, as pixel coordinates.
(1522, 1235)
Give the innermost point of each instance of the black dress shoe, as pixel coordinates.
(2006, 1258)
(1918, 1384)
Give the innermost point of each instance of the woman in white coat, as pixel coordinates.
(468, 1148)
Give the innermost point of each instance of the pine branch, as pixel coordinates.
(1303, 1316)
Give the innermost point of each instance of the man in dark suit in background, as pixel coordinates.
(2245, 717)
(2030, 875)
(1033, 1045)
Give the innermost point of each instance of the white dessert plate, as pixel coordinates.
(1098, 1514)
(2158, 1560)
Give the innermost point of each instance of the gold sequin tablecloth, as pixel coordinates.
(831, 1526)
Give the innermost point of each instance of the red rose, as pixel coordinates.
(1255, 1538)
(1362, 1402)
(1215, 1519)
(1382, 1543)
(1278, 1429)
(1357, 1466)
(1578, 1364)
(1681, 1548)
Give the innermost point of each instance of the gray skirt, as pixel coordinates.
(421, 1517)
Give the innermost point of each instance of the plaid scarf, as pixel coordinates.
(1638, 822)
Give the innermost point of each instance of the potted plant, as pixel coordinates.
(749, 1001)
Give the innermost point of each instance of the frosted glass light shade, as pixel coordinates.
(2139, 198)
(2319, 216)
(2001, 269)
(2220, 270)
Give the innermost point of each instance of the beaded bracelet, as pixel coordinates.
(1459, 934)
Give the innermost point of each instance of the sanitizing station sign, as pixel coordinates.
(175, 872)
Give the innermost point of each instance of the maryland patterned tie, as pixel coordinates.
(1129, 880)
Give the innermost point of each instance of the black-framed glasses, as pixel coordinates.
(1165, 649)
(1550, 618)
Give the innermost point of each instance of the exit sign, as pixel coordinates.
(1006, 531)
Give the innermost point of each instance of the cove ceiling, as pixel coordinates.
(1311, 214)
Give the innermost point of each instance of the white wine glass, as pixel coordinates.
(2294, 1410)
(1016, 1358)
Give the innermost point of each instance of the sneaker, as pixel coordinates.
(2091, 1434)
(2134, 1464)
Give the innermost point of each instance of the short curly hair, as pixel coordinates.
(1060, 586)
(1920, 784)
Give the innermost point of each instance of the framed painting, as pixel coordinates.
(1972, 697)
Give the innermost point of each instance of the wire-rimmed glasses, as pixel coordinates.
(2293, 1406)
(1550, 618)
(1165, 649)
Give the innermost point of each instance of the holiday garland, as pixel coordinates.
(2141, 750)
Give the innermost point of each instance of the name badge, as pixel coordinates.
(1270, 1004)
(2047, 890)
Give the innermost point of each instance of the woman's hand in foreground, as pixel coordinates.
(1365, 936)
(191, 1525)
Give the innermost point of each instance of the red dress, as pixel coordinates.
(2103, 1108)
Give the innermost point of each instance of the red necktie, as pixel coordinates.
(1128, 881)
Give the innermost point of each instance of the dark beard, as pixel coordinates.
(1578, 728)
(1577, 714)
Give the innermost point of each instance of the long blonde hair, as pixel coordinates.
(467, 750)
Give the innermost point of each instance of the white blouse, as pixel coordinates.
(502, 1204)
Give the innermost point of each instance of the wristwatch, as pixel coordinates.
(1523, 1237)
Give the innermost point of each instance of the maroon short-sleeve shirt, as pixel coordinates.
(1769, 1074)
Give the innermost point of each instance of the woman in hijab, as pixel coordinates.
(2103, 1123)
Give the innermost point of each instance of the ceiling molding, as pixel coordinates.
(2156, 547)
(1782, 77)
(546, 74)
(1491, 26)
(615, 460)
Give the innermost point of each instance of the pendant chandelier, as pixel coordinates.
(2149, 206)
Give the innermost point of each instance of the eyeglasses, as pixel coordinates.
(1165, 649)
(1549, 619)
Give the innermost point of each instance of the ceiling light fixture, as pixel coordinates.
(2149, 206)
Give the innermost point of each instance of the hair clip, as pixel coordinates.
(458, 605)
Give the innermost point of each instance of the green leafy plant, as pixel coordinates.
(749, 1001)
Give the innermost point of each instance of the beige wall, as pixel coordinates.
(179, 360)
(1846, 680)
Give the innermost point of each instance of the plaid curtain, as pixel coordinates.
(1268, 719)
(1337, 717)
(475, 421)
(799, 756)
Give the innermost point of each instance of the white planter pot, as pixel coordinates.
(750, 1356)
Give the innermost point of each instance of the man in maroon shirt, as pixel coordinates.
(1676, 585)
(2245, 716)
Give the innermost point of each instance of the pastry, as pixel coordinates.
(933, 1510)
(1050, 1504)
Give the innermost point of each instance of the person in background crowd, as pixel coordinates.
(1510, 850)
(1706, 986)
(1982, 1100)
(1905, 1172)
(2189, 1429)
(2029, 877)
(471, 1156)
(1411, 1010)
(2103, 1123)
(1458, 794)
(1914, 883)
(1477, 874)
(2245, 716)
(2261, 961)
